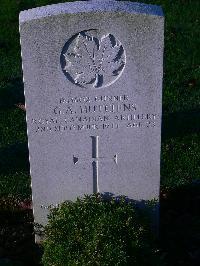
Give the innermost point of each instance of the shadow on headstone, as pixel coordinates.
(149, 208)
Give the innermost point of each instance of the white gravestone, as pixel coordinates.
(93, 89)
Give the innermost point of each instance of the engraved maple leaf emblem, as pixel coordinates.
(93, 62)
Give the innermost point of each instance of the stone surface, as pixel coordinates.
(93, 89)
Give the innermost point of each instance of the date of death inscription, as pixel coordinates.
(98, 113)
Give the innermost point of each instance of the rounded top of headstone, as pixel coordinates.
(100, 1)
(89, 6)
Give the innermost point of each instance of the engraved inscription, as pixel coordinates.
(92, 113)
(90, 60)
(95, 162)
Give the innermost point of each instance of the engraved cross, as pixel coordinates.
(95, 162)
